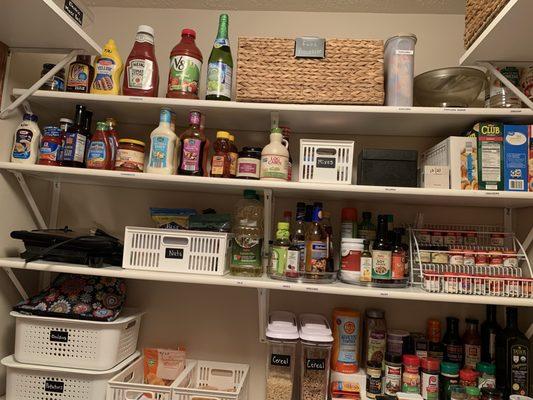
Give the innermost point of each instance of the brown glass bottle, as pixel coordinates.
(472, 343)
(435, 346)
(453, 347)
(193, 144)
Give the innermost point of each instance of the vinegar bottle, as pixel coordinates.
(141, 77)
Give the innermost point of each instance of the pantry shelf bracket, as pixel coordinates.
(20, 101)
(31, 201)
(507, 83)
(17, 283)
(263, 298)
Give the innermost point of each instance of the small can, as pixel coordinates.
(497, 240)
(510, 259)
(374, 381)
(471, 238)
(437, 238)
(457, 257)
(449, 238)
(469, 258)
(424, 238)
(496, 258)
(459, 238)
(482, 259)
(439, 257)
(425, 256)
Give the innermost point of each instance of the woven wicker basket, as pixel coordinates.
(351, 72)
(479, 14)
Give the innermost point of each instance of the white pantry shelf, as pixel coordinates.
(398, 195)
(43, 24)
(302, 118)
(337, 288)
(506, 38)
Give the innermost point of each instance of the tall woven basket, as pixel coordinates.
(350, 73)
(479, 14)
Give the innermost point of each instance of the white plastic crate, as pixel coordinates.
(129, 384)
(172, 250)
(75, 343)
(199, 379)
(326, 161)
(39, 382)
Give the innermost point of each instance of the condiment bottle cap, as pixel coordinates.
(468, 375)
(189, 32)
(222, 135)
(449, 368)
(411, 360)
(393, 358)
(430, 364)
(487, 368)
(349, 214)
(146, 29)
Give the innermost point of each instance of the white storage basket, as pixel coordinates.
(198, 379)
(129, 384)
(75, 343)
(176, 251)
(326, 161)
(37, 382)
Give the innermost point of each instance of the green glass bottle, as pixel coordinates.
(220, 66)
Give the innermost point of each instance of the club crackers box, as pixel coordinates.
(490, 154)
(515, 157)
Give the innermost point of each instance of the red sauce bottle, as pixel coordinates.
(185, 67)
(99, 153)
(141, 74)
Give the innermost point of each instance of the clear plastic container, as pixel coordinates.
(282, 338)
(317, 340)
(399, 70)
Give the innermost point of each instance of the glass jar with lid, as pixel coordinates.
(375, 337)
(316, 340)
(282, 337)
(491, 394)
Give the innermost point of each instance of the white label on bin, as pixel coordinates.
(405, 52)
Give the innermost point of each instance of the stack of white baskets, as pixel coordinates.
(67, 359)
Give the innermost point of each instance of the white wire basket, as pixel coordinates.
(64, 342)
(501, 267)
(39, 382)
(129, 384)
(172, 250)
(326, 161)
(210, 380)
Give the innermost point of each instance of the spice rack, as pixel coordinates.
(473, 260)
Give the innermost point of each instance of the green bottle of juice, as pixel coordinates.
(220, 66)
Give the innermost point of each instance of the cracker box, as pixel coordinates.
(515, 157)
(490, 155)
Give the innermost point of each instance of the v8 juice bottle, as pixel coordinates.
(141, 74)
(185, 67)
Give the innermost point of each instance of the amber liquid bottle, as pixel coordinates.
(193, 143)
(472, 343)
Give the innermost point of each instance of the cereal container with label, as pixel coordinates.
(399, 70)
(282, 337)
(316, 340)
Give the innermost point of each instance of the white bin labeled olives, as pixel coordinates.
(282, 338)
(317, 340)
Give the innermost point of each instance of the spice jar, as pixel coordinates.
(393, 374)
(468, 377)
(496, 258)
(374, 381)
(497, 240)
(397, 341)
(437, 238)
(375, 337)
(249, 163)
(449, 238)
(469, 258)
(316, 339)
(282, 337)
(430, 378)
(490, 394)
(410, 376)
(471, 239)
(130, 155)
(457, 257)
(473, 393)
(50, 150)
(487, 375)
(482, 259)
(449, 376)
(457, 392)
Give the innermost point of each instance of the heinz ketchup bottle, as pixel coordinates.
(141, 75)
(185, 67)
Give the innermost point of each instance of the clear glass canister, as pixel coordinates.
(282, 338)
(316, 340)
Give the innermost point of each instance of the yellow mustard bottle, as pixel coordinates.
(107, 70)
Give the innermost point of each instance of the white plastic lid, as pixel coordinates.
(315, 328)
(282, 325)
(146, 29)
